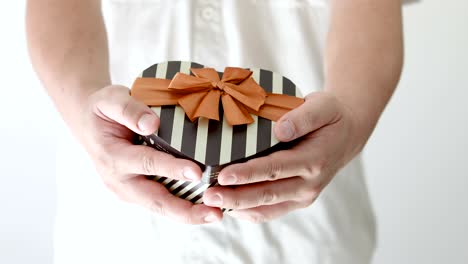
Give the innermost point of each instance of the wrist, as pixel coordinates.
(82, 91)
(74, 101)
(362, 119)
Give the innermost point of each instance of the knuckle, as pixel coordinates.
(309, 121)
(315, 169)
(309, 194)
(231, 200)
(273, 170)
(307, 202)
(235, 203)
(309, 170)
(126, 107)
(268, 197)
(148, 165)
(250, 175)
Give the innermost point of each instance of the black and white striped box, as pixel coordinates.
(211, 144)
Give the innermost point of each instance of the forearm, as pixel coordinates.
(68, 49)
(364, 57)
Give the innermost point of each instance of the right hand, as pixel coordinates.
(107, 122)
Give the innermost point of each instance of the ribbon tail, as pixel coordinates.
(276, 105)
(154, 92)
(184, 83)
(206, 73)
(235, 112)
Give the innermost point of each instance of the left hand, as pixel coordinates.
(271, 186)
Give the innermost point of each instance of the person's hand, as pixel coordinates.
(107, 121)
(271, 186)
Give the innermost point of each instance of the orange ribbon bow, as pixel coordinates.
(199, 95)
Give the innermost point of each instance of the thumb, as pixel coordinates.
(318, 110)
(116, 104)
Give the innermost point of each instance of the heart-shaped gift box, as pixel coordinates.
(175, 91)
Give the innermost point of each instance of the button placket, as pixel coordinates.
(207, 13)
(208, 36)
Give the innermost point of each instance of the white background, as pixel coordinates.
(416, 161)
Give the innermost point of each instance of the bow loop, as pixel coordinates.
(188, 84)
(206, 73)
(200, 95)
(235, 75)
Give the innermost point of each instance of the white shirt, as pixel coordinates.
(285, 36)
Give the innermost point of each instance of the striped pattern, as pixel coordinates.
(210, 142)
(190, 191)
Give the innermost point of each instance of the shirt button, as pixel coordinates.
(207, 13)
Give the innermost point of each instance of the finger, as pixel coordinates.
(117, 104)
(318, 110)
(278, 165)
(158, 199)
(139, 159)
(265, 213)
(258, 194)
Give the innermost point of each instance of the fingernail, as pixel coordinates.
(146, 122)
(286, 130)
(231, 179)
(215, 200)
(190, 174)
(210, 218)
